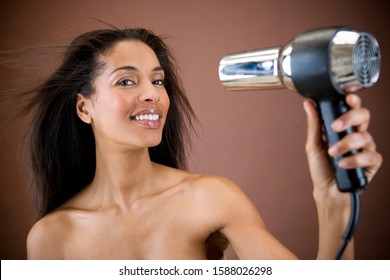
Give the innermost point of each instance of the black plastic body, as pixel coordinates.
(311, 75)
(348, 180)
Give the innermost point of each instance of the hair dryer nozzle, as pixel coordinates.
(251, 70)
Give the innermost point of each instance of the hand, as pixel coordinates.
(317, 152)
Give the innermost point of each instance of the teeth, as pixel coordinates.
(147, 117)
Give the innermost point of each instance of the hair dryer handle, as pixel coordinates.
(348, 180)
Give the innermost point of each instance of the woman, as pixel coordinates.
(108, 162)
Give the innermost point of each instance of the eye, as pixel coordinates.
(159, 82)
(125, 82)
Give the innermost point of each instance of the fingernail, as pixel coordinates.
(333, 151)
(353, 97)
(338, 125)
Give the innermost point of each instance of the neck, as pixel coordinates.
(123, 176)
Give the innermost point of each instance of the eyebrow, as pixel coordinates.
(133, 68)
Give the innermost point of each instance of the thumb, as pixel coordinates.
(314, 140)
(321, 171)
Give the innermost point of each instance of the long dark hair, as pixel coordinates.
(61, 147)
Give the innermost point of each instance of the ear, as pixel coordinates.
(83, 106)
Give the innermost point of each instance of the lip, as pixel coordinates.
(148, 111)
(147, 122)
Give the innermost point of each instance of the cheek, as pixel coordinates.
(111, 105)
(119, 105)
(110, 115)
(165, 100)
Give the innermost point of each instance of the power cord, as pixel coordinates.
(353, 221)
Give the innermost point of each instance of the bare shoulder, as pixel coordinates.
(217, 188)
(44, 241)
(220, 196)
(238, 218)
(197, 184)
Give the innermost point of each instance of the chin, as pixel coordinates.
(150, 143)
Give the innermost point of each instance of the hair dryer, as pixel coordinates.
(323, 65)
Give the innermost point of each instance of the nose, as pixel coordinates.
(150, 94)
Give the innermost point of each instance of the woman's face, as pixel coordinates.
(130, 103)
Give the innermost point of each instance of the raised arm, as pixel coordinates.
(333, 206)
(243, 225)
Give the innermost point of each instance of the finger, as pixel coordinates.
(365, 159)
(353, 100)
(358, 118)
(353, 141)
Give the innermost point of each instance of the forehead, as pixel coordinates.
(130, 52)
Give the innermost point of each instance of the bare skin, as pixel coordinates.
(173, 223)
(136, 209)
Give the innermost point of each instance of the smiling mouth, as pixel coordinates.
(146, 117)
(150, 118)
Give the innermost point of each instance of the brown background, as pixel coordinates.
(254, 138)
